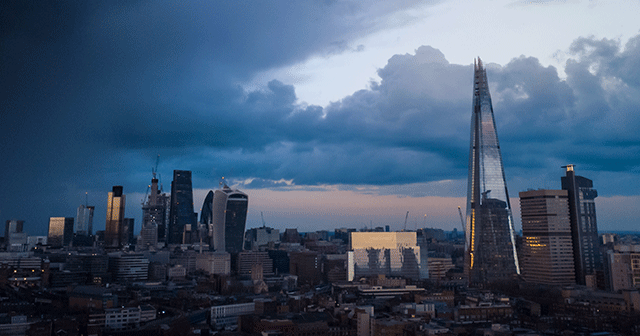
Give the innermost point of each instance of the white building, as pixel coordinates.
(227, 315)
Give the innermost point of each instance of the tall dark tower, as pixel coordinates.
(584, 229)
(490, 246)
(181, 216)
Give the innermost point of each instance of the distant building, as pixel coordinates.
(261, 236)
(439, 265)
(126, 237)
(84, 220)
(291, 236)
(181, 215)
(214, 263)
(384, 253)
(490, 247)
(115, 217)
(206, 218)
(623, 267)
(155, 215)
(247, 259)
(13, 226)
(60, 231)
(547, 250)
(584, 228)
(307, 265)
(128, 267)
(14, 237)
(229, 219)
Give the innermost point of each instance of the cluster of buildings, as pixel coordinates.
(185, 275)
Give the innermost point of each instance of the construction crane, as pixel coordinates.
(154, 172)
(405, 221)
(461, 219)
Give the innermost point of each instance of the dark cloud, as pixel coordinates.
(94, 92)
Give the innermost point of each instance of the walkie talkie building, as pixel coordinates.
(490, 246)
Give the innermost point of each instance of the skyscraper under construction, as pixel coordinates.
(490, 246)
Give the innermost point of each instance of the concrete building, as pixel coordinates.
(547, 249)
(623, 267)
(128, 267)
(261, 236)
(247, 259)
(214, 263)
(227, 315)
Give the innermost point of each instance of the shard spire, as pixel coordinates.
(490, 238)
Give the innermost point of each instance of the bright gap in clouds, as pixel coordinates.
(497, 32)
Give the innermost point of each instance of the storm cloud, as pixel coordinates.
(92, 93)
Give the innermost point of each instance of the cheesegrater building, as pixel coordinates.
(490, 240)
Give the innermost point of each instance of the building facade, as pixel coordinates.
(229, 219)
(584, 228)
(547, 250)
(490, 246)
(155, 214)
(84, 220)
(115, 217)
(181, 215)
(384, 253)
(60, 231)
(128, 267)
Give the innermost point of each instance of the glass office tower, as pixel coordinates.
(229, 219)
(115, 216)
(84, 220)
(490, 246)
(181, 215)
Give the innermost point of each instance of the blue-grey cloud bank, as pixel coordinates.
(92, 92)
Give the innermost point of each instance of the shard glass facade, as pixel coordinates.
(490, 246)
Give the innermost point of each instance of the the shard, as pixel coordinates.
(490, 240)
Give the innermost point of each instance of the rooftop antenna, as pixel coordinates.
(86, 199)
(262, 216)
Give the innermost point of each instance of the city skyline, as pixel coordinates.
(352, 114)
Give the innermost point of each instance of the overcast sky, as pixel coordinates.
(326, 113)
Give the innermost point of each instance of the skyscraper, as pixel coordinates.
(126, 235)
(115, 217)
(155, 215)
(584, 229)
(490, 246)
(13, 226)
(60, 231)
(206, 218)
(84, 220)
(547, 251)
(229, 219)
(181, 215)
